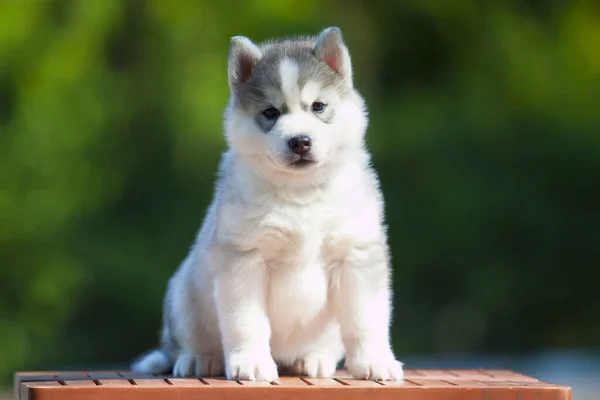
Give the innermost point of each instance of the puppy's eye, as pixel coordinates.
(318, 107)
(271, 113)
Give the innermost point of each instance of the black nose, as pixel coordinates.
(300, 144)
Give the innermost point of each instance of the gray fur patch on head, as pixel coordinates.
(315, 58)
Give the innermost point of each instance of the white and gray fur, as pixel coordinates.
(290, 270)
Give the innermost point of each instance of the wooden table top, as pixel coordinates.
(418, 384)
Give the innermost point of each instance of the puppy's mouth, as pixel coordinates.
(293, 162)
(302, 162)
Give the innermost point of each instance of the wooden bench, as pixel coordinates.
(418, 385)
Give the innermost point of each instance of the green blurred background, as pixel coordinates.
(485, 130)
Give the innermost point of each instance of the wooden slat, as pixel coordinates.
(220, 382)
(423, 384)
(536, 395)
(402, 383)
(292, 393)
(80, 383)
(29, 377)
(37, 378)
(20, 376)
(433, 383)
(114, 382)
(291, 381)
(322, 382)
(154, 382)
(72, 377)
(468, 384)
(435, 374)
(104, 375)
(135, 375)
(471, 374)
(186, 382)
(255, 383)
(358, 383)
(26, 388)
(529, 384)
(504, 374)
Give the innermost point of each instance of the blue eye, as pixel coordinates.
(318, 107)
(271, 113)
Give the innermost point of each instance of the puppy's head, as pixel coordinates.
(293, 110)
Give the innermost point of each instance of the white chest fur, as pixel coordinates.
(291, 242)
(303, 236)
(289, 230)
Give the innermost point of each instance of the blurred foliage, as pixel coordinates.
(484, 129)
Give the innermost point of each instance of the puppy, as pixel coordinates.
(290, 268)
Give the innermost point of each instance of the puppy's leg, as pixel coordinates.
(191, 332)
(363, 307)
(241, 284)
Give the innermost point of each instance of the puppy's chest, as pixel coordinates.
(292, 243)
(289, 234)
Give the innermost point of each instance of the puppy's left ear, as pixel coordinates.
(244, 55)
(330, 49)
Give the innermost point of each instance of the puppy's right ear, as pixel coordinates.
(244, 55)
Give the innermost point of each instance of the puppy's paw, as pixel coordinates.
(315, 365)
(251, 367)
(375, 368)
(198, 365)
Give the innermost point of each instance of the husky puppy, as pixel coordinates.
(290, 269)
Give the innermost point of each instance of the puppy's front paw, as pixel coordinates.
(198, 365)
(251, 367)
(375, 368)
(315, 365)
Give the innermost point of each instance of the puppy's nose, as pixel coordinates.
(300, 144)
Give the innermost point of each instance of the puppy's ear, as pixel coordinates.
(243, 57)
(330, 49)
